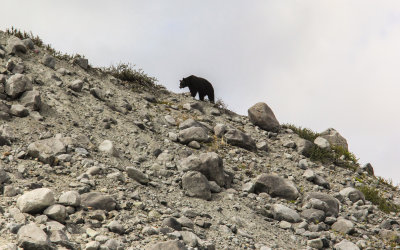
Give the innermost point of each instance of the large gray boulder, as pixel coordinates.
(14, 45)
(281, 212)
(17, 84)
(31, 237)
(236, 137)
(56, 212)
(81, 62)
(36, 200)
(367, 167)
(353, 194)
(70, 198)
(333, 203)
(196, 185)
(31, 99)
(198, 134)
(97, 200)
(49, 61)
(170, 245)
(46, 150)
(334, 138)
(261, 115)
(313, 215)
(346, 245)
(209, 164)
(276, 186)
(343, 226)
(304, 146)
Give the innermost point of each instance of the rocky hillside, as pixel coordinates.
(89, 161)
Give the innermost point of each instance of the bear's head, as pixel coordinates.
(183, 83)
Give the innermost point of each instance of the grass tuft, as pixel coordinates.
(373, 195)
(304, 133)
(127, 73)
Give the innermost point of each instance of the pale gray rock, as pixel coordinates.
(36, 200)
(108, 147)
(262, 146)
(191, 163)
(248, 187)
(309, 175)
(28, 43)
(189, 123)
(186, 222)
(346, 245)
(98, 93)
(281, 212)
(322, 142)
(47, 149)
(97, 200)
(10, 191)
(189, 238)
(17, 84)
(316, 243)
(261, 115)
(137, 175)
(116, 227)
(56, 212)
(172, 223)
(236, 137)
(353, 194)
(92, 245)
(19, 110)
(32, 237)
(193, 134)
(31, 99)
(333, 203)
(276, 187)
(76, 85)
(9, 246)
(170, 245)
(4, 176)
(81, 62)
(70, 198)
(194, 144)
(313, 215)
(343, 226)
(214, 187)
(220, 129)
(171, 120)
(196, 185)
(334, 138)
(49, 61)
(15, 45)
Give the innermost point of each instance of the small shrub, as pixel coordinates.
(127, 73)
(348, 156)
(386, 182)
(373, 195)
(323, 155)
(23, 35)
(304, 133)
(221, 104)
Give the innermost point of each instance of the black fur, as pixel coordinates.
(198, 85)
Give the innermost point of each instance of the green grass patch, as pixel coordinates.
(373, 195)
(126, 72)
(304, 133)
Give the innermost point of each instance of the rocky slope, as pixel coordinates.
(91, 162)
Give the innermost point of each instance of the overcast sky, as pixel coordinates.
(317, 64)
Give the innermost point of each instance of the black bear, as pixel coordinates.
(198, 85)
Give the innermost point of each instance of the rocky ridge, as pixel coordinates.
(91, 162)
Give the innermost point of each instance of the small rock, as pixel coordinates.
(97, 200)
(108, 147)
(76, 85)
(196, 185)
(32, 237)
(49, 61)
(137, 175)
(56, 212)
(81, 62)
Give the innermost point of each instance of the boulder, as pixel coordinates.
(304, 146)
(108, 147)
(188, 123)
(17, 84)
(343, 226)
(32, 237)
(333, 203)
(170, 245)
(261, 115)
(276, 186)
(368, 168)
(313, 215)
(236, 137)
(76, 85)
(36, 200)
(28, 43)
(220, 129)
(31, 99)
(56, 212)
(19, 110)
(47, 149)
(70, 198)
(346, 245)
(196, 185)
(322, 142)
(81, 62)
(97, 200)
(137, 175)
(334, 138)
(14, 45)
(193, 134)
(353, 194)
(49, 61)
(281, 212)
(172, 223)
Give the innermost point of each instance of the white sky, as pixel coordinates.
(317, 64)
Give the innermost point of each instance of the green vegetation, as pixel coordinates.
(373, 195)
(304, 133)
(127, 73)
(387, 182)
(23, 35)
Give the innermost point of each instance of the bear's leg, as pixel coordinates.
(201, 96)
(193, 93)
